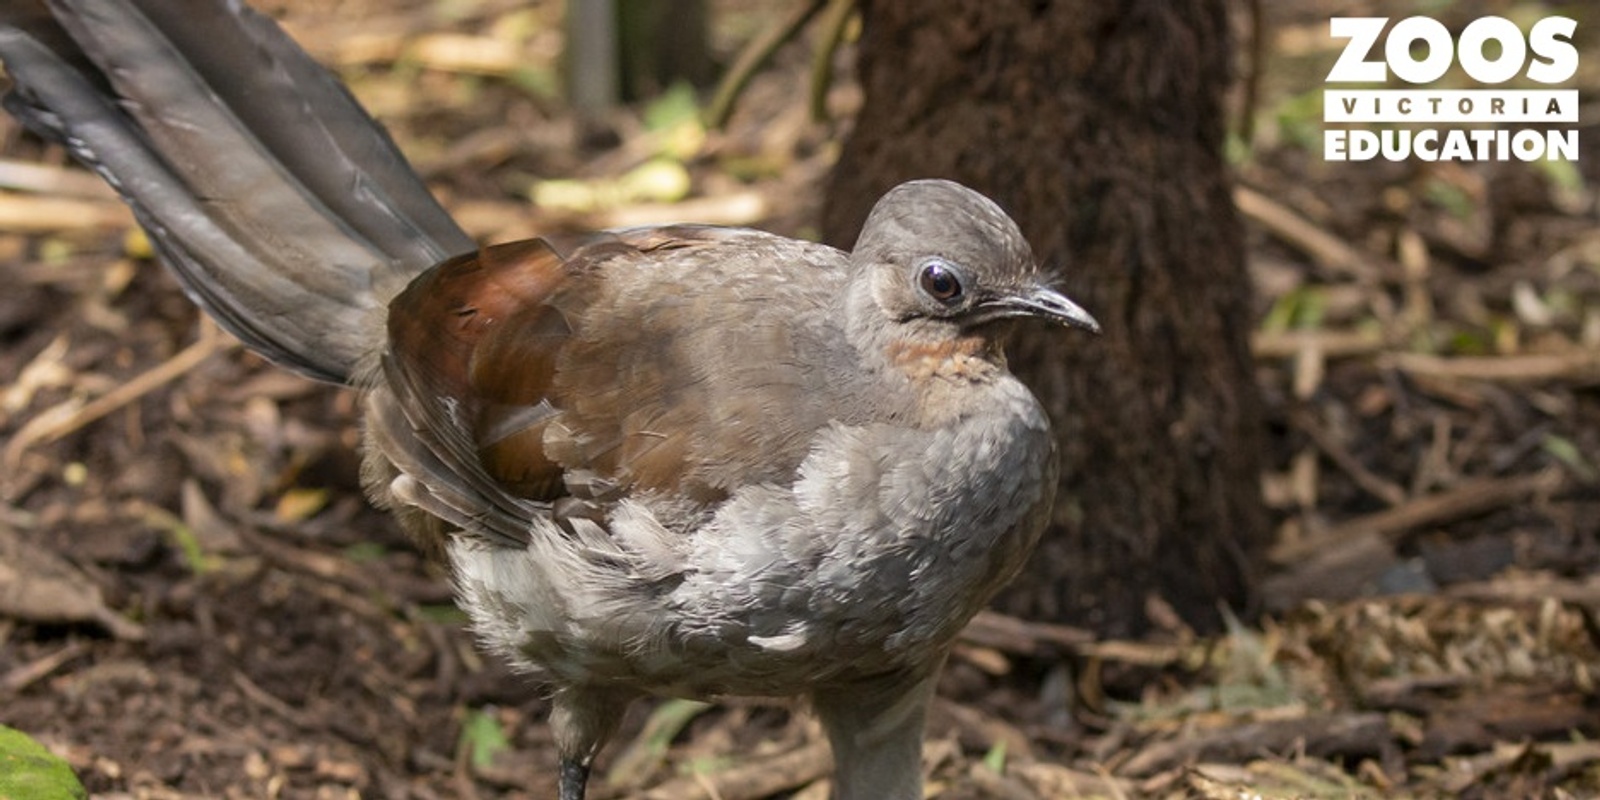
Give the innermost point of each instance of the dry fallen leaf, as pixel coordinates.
(37, 586)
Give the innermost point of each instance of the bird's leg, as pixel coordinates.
(582, 718)
(875, 728)
(574, 778)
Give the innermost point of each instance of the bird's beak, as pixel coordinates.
(1043, 303)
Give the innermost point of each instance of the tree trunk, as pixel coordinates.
(1099, 126)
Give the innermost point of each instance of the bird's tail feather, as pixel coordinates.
(286, 212)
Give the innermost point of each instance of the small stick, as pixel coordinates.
(752, 57)
(1580, 365)
(47, 214)
(759, 778)
(1326, 249)
(211, 341)
(1472, 497)
(1387, 491)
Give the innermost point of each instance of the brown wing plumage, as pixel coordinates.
(475, 340)
(532, 377)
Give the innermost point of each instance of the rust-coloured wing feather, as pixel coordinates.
(437, 323)
(532, 377)
(473, 342)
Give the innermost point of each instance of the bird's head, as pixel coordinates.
(941, 256)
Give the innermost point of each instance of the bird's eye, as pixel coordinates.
(940, 281)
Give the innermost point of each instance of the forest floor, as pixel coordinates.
(195, 601)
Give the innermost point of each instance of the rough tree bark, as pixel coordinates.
(1100, 127)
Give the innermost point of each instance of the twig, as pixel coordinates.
(1246, 124)
(24, 176)
(467, 55)
(210, 342)
(1332, 343)
(1023, 637)
(634, 763)
(1352, 734)
(756, 779)
(1415, 266)
(270, 702)
(994, 785)
(1056, 780)
(834, 22)
(976, 725)
(1582, 366)
(26, 675)
(1328, 250)
(734, 208)
(1556, 757)
(1536, 588)
(1472, 497)
(1144, 654)
(1387, 491)
(46, 214)
(1330, 574)
(752, 57)
(322, 567)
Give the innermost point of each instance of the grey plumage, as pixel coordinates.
(685, 460)
(232, 146)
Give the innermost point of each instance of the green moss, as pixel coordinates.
(30, 772)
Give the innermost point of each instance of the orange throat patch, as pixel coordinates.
(968, 359)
